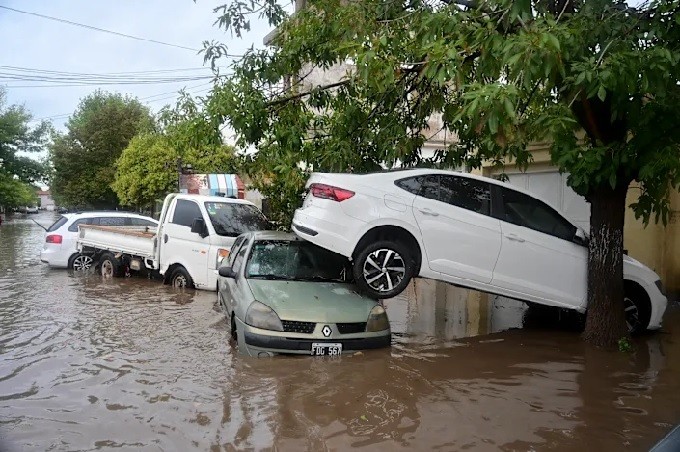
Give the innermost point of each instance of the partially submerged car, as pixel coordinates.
(282, 294)
(467, 230)
(60, 251)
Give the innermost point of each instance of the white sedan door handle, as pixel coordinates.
(514, 237)
(427, 211)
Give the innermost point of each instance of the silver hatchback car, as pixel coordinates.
(287, 295)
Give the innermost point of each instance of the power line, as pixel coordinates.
(174, 94)
(47, 71)
(90, 27)
(172, 97)
(13, 76)
(54, 83)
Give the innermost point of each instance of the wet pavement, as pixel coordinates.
(130, 364)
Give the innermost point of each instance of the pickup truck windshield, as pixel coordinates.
(296, 261)
(233, 219)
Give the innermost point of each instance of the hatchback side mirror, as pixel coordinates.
(198, 226)
(580, 237)
(227, 272)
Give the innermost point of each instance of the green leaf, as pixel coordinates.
(493, 123)
(509, 109)
(580, 78)
(554, 41)
(612, 179)
(602, 93)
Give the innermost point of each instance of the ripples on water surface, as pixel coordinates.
(87, 364)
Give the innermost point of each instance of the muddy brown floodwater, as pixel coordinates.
(130, 364)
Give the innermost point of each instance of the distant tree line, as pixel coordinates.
(18, 172)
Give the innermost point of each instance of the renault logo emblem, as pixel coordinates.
(326, 330)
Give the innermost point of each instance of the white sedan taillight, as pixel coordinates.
(324, 191)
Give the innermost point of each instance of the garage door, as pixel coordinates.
(552, 187)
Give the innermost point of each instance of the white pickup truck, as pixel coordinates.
(194, 234)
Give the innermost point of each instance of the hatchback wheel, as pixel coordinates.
(80, 262)
(383, 269)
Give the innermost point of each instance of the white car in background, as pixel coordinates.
(467, 230)
(60, 250)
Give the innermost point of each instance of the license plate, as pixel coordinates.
(326, 349)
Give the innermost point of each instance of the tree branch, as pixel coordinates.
(307, 93)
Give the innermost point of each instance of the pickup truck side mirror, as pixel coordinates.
(227, 272)
(580, 237)
(199, 227)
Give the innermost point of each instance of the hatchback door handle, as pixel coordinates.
(514, 237)
(427, 211)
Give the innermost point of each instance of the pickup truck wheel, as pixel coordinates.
(383, 269)
(80, 262)
(181, 278)
(110, 266)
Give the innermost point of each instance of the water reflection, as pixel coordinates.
(128, 363)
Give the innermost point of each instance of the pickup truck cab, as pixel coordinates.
(194, 234)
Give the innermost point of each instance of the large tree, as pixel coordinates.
(18, 171)
(597, 79)
(148, 167)
(84, 157)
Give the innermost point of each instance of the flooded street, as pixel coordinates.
(128, 363)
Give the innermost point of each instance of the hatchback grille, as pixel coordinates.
(290, 326)
(349, 328)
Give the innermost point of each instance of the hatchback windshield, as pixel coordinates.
(296, 260)
(233, 219)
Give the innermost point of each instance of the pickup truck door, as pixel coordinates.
(181, 246)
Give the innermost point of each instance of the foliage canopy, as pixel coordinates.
(84, 157)
(18, 171)
(148, 167)
(501, 74)
(598, 80)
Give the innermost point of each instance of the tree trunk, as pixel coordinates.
(605, 321)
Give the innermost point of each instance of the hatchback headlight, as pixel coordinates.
(377, 320)
(262, 316)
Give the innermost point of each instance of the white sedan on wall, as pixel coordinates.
(467, 230)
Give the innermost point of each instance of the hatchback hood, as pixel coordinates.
(306, 301)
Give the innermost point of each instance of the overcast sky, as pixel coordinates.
(38, 43)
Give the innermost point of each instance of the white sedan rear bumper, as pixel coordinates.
(336, 233)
